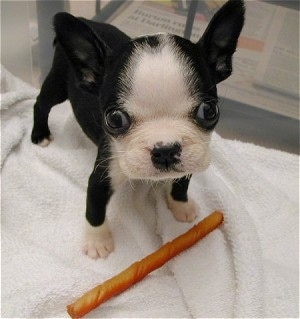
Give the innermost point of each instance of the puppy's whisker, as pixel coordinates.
(131, 184)
(108, 158)
(150, 183)
(103, 163)
(103, 175)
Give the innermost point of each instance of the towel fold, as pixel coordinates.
(246, 268)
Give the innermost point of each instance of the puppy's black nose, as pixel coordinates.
(164, 157)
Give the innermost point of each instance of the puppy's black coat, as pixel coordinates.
(90, 67)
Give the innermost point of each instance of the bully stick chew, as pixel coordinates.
(138, 270)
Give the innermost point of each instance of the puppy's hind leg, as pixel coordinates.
(53, 92)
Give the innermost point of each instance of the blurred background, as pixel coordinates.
(259, 103)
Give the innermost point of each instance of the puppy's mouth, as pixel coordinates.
(169, 168)
(164, 165)
(170, 173)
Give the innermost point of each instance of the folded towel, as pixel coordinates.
(246, 268)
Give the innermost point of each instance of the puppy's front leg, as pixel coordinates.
(98, 241)
(183, 208)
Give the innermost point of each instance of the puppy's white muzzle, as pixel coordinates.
(165, 148)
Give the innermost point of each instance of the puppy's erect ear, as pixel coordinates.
(220, 38)
(84, 49)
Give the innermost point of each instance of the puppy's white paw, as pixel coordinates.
(98, 248)
(46, 141)
(183, 211)
(98, 242)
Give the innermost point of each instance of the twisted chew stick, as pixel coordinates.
(142, 268)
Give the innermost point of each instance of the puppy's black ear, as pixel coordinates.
(220, 38)
(85, 51)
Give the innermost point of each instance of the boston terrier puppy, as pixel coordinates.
(149, 104)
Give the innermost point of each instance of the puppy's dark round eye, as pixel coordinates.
(117, 121)
(207, 115)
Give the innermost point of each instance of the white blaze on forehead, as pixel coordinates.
(159, 79)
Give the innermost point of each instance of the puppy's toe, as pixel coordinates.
(183, 211)
(41, 136)
(98, 241)
(45, 142)
(98, 248)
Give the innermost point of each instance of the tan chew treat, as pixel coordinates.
(140, 269)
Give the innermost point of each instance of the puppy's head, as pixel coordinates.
(158, 93)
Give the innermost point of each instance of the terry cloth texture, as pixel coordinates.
(246, 268)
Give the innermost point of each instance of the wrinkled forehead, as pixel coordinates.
(158, 79)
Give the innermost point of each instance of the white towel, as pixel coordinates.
(246, 268)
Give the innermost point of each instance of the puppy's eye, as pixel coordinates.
(207, 115)
(117, 121)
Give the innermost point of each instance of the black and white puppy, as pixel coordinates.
(149, 104)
